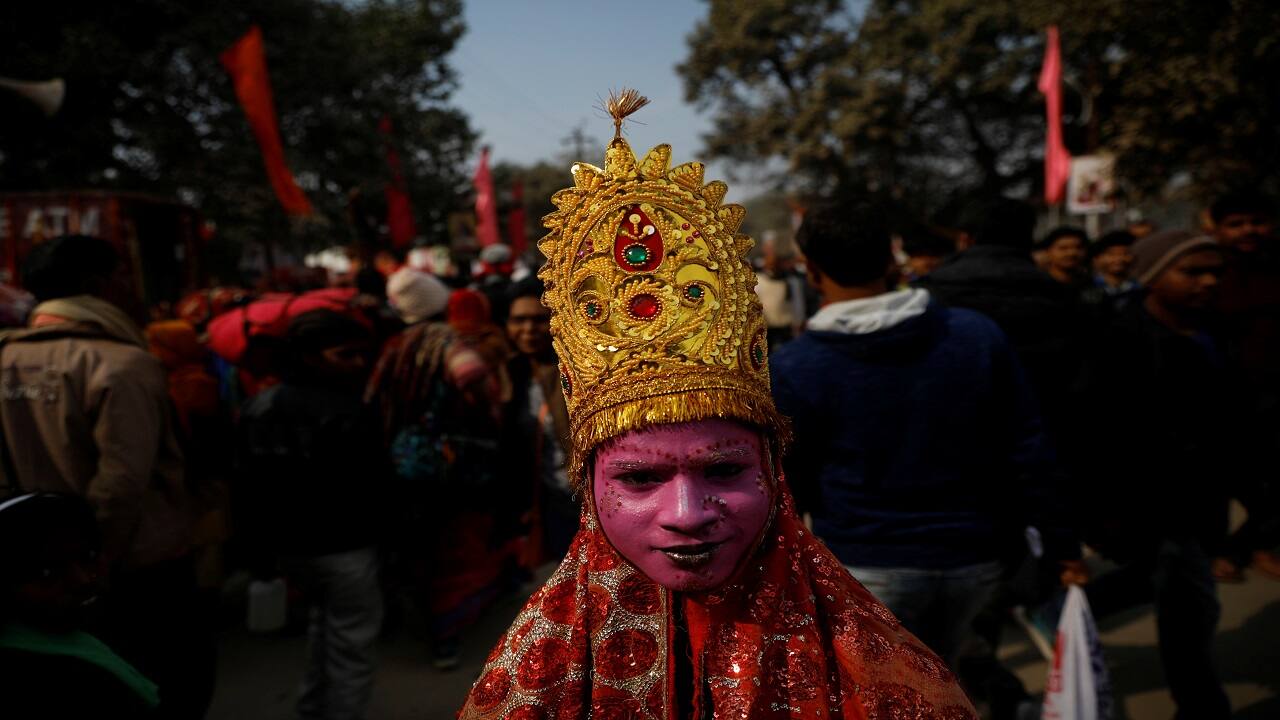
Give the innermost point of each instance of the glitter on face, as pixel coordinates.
(681, 502)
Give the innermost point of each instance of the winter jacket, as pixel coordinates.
(1043, 319)
(1164, 466)
(917, 439)
(1250, 307)
(88, 413)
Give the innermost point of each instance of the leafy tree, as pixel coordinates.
(1192, 87)
(929, 101)
(765, 68)
(149, 107)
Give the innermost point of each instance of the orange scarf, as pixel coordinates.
(794, 636)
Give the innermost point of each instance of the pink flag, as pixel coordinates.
(399, 211)
(486, 204)
(1057, 161)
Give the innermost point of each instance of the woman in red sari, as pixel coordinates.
(692, 589)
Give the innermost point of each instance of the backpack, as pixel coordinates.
(265, 320)
(450, 452)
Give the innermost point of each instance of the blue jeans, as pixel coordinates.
(937, 606)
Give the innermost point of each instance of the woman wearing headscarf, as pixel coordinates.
(692, 589)
(439, 398)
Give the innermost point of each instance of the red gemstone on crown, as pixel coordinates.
(645, 307)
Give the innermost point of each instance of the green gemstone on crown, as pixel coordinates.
(593, 310)
(636, 254)
(694, 292)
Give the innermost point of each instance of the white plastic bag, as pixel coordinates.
(268, 605)
(1078, 688)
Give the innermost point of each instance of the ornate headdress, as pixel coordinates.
(654, 314)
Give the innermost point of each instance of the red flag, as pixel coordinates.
(247, 65)
(1057, 161)
(486, 204)
(399, 211)
(515, 221)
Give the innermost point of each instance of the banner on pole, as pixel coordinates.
(400, 222)
(1056, 158)
(486, 203)
(246, 62)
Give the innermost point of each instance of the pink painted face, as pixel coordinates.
(683, 503)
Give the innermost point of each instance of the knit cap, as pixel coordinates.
(469, 311)
(416, 295)
(495, 254)
(1154, 253)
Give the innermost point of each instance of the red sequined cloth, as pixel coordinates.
(794, 636)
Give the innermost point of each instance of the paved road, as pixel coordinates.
(258, 674)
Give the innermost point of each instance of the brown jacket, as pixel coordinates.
(86, 413)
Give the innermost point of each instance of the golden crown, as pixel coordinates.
(654, 315)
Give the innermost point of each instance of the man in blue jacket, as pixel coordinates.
(919, 451)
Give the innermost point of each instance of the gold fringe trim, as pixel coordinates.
(677, 407)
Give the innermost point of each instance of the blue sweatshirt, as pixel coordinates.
(918, 444)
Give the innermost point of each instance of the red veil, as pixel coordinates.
(794, 636)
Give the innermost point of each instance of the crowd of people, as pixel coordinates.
(970, 411)
(1113, 394)
(368, 447)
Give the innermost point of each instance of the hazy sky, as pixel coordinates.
(531, 71)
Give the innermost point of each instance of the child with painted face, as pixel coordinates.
(691, 589)
(50, 576)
